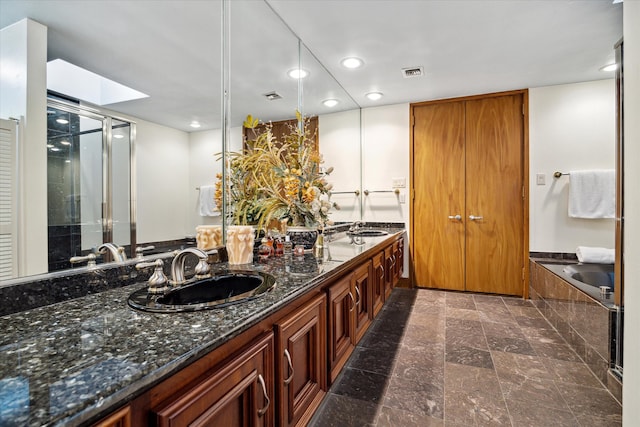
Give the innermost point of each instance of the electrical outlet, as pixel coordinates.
(398, 183)
(540, 179)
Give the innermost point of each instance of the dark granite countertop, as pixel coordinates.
(66, 363)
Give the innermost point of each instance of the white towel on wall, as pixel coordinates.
(595, 255)
(592, 194)
(207, 203)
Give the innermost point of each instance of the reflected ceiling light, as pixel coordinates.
(195, 124)
(118, 136)
(352, 62)
(54, 149)
(330, 102)
(374, 96)
(62, 121)
(49, 145)
(610, 67)
(65, 142)
(67, 161)
(298, 73)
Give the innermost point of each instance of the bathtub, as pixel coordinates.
(589, 278)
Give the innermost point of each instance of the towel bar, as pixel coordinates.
(559, 174)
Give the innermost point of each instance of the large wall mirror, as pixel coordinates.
(175, 56)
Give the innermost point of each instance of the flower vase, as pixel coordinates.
(305, 236)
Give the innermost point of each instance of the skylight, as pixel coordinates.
(74, 81)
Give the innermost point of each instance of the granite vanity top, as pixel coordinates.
(65, 363)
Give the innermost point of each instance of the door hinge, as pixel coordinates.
(523, 192)
(523, 109)
(413, 120)
(522, 273)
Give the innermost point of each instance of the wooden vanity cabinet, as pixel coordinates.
(239, 393)
(350, 314)
(120, 418)
(301, 362)
(389, 261)
(363, 289)
(378, 282)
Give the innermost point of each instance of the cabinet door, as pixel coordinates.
(388, 271)
(439, 205)
(122, 418)
(378, 283)
(301, 361)
(237, 394)
(362, 288)
(341, 328)
(495, 192)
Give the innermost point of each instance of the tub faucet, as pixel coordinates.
(177, 266)
(117, 252)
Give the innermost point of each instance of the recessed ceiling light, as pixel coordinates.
(330, 102)
(62, 121)
(352, 62)
(118, 136)
(65, 142)
(610, 67)
(195, 124)
(374, 96)
(298, 73)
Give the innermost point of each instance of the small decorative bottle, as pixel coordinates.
(287, 247)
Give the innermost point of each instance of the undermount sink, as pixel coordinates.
(369, 233)
(213, 292)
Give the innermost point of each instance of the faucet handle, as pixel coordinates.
(141, 249)
(158, 282)
(90, 258)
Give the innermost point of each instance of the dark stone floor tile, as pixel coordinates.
(418, 397)
(574, 373)
(423, 364)
(535, 322)
(506, 330)
(462, 313)
(342, 411)
(591, 401)
(424, 335)
(555, 351)
(513, 367)
(590, 421)
(468, 356)
(361, 385)
(374, 360)
(389, 341)
(525, 311)
(510, 345)
(535, 414)
(392, 417)
(472, 408)
(390, 325)
(460, 301)
(542, 392)
(456, 337)
(515, 301)
(542, 336)
(488, 299)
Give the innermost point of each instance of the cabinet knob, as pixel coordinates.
(475, 218)
(456, 217)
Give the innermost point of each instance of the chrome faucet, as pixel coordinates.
(158, 281)
(356, 226)
(177, 266)
(117, 252)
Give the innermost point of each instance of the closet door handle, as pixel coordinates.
(456, 217)
(475, 218)
(263, 411)
(288, 356)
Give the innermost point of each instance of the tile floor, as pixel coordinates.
(435, 358)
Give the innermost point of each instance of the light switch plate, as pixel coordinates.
(540, 179)
(401, 196)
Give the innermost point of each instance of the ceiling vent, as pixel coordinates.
(272, 96)
(412, 72)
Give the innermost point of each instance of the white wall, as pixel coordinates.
(631, 387)
(23, 55)
(385, 156)
(571, 127)
(203, 166)
(163, 187)
(339, 135)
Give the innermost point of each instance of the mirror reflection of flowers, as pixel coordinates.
(279, 179)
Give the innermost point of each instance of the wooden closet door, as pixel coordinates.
(438, 182)
(494, 192)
